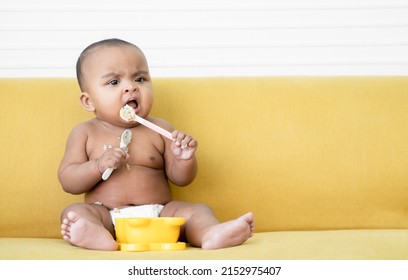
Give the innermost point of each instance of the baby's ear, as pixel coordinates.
(87, 102)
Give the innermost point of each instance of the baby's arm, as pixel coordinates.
(77, 173)
(181, 162)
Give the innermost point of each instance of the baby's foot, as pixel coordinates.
(82, 233)
(228, 234)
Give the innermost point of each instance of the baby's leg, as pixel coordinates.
(202, 229)
(88, 226)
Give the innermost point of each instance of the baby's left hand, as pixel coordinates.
(183, 145)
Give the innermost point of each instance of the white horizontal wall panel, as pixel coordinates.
(207, 38)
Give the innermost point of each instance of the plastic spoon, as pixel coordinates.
(125, 140)
(128, 114)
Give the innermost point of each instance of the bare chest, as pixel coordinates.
(145, 149)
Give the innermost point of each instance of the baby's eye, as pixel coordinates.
(113, 82)
(139, 79)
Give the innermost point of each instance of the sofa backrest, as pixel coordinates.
(302, 153)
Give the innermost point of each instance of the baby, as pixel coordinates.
(111, 74)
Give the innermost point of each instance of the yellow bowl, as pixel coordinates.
(146, 231)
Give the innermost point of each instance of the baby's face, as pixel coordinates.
(116, 76)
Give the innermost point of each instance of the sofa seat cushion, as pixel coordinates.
(293, 245)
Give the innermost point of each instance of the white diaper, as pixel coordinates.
(142, 211)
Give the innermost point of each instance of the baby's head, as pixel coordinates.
(111, 74)
(95, 46)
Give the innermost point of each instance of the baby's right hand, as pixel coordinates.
(112, 158)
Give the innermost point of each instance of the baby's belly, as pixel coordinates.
(137, 187)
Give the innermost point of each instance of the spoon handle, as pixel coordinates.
(154, 127)
(107, 173)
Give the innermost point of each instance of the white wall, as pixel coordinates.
(212, 37)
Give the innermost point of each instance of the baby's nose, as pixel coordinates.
(131, 88)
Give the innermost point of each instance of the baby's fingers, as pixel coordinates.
(192, 143)
(183, 140)
(112, 158)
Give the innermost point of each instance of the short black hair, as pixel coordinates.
(84, 54)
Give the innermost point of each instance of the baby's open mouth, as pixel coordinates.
(133, 104)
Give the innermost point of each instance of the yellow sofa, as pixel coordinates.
(322, 162)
